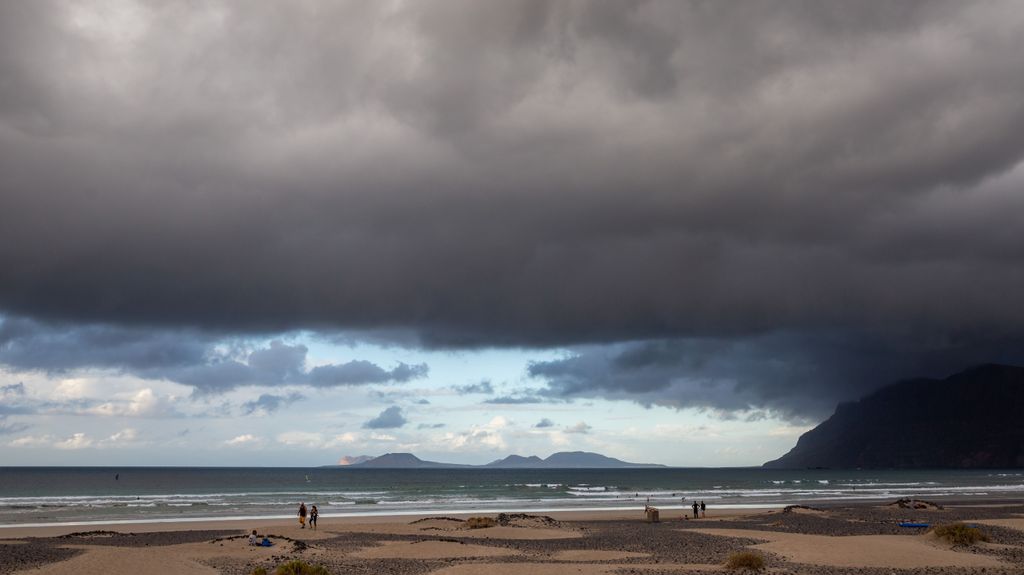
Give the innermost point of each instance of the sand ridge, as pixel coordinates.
(125, 561)
(894, 551)
(589, 555)
(565, 569)
(1009, 522)
(430, 549)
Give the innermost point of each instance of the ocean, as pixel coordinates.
(111, 495)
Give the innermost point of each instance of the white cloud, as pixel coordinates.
(32, 441)
(499, 422)
(144, 403)
(487, 437)
(580, 427)
(301, 439)
(74, 388)
(347, 437)
(789, 430)
(126, 435)
(76, 441)
(242, 439)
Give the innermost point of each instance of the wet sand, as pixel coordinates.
(864, 539)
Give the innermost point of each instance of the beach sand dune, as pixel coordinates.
(893, 551)
(1009, 522)
(570, 569)
(126, 561)
(590, 555)
(430, 550)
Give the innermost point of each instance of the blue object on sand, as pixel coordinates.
(909, 524)
(266, 542)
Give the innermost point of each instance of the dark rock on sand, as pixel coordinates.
(32, 553)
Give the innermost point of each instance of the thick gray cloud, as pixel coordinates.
(269, 403)
(483, 387)
(390, 418)
(798, 375)
(514, 400)
(544, 422)
(26, 344)
(207, 363)
(518, 173)
(359, 372)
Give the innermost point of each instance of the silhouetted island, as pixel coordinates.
(974, 419)
(561, 460)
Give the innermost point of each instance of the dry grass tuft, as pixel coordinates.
(745, 560)
(960, 534)
(480, 522)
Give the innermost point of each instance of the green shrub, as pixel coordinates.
(745, 560)
(259, 571)
(297, 567)
(960, 534)
(480, 522)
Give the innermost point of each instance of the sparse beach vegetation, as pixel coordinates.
(960, 533)
(747, 560)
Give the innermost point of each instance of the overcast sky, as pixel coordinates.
(681, 232)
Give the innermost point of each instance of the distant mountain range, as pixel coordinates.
(561, 460)
(974, 419)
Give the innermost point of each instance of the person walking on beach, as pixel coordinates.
(313, 514)
(695, 508)
(302, 515)
(703, 509)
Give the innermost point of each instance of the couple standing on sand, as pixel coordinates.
(702, 508)
(313, 514)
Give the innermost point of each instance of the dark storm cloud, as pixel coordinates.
(26, 344)
(520, 173)
(793, 375)
(188, 357)
(283, 364)
(390, 418)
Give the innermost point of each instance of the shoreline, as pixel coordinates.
(730, 509)
(16, 531)
(843, 539)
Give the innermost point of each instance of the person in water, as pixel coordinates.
(302, 515)
(313, 514)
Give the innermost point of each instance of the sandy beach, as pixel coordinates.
(836, 540)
